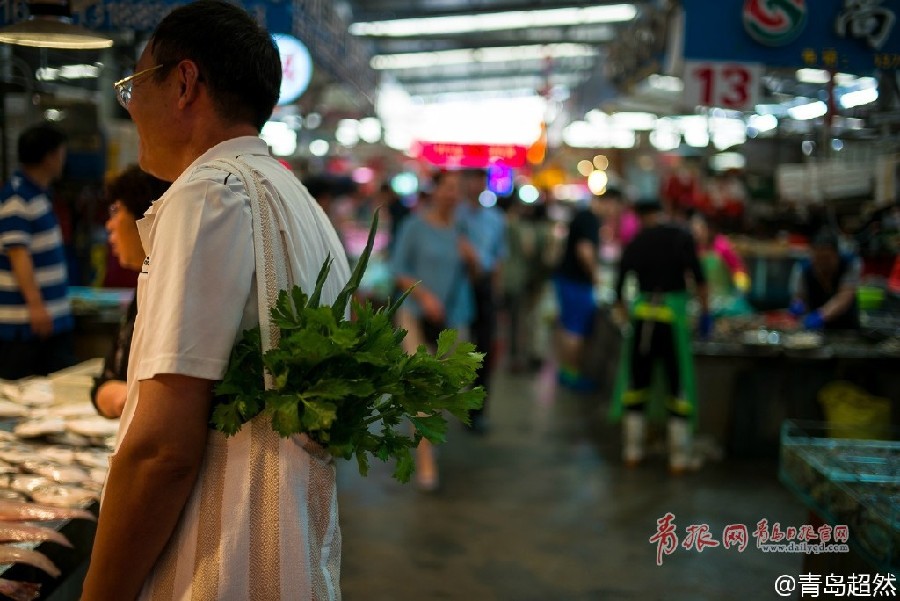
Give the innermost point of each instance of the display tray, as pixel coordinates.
(847, 481)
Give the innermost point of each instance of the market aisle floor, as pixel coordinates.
(540, 509)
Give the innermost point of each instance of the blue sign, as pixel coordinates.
(852, 36)
(144, 16)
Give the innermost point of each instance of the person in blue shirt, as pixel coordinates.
(485, 228)
(430, 250)
(824, 286)
(35, 313)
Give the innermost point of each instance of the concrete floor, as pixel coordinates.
(541, 509)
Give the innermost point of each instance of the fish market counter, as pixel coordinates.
(746, 391)
(54, 455)
(750, 380)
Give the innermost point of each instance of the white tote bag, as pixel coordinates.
(262, 521)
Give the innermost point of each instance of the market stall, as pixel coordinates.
(54, 454)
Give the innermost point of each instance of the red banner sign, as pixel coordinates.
(479, 156)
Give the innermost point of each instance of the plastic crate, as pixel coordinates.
(848, 481)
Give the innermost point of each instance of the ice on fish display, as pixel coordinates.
(27, 556)
(15, 532)
(19, 591)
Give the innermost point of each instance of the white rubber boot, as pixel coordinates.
(633, 433)
(680, 447)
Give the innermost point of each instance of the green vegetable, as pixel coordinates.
(348, 384)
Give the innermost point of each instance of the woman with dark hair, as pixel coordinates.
(131, 194)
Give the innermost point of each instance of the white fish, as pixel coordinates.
(36, 428)
(26, 483)
(11, 495)
(14, 511)
(63, 474)
(20, 532)
(93, 459)
(27, 556)
(63, 496)
(58, 454)
(19, 591)
(10, 409)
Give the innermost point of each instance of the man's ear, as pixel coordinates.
(188, 82)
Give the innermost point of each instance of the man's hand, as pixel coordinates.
(41, 322)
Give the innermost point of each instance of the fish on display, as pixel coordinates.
(27, 556)
(15, 511)
(19, 591)
(63, 496)
(19, 532)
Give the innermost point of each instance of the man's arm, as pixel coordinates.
(150, 480)
(587, 252)
(23, 271)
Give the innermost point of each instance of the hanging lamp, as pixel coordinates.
(50, 26)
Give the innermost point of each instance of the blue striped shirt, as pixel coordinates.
(27, 219)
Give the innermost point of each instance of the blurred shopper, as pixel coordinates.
(522, 251)
(824, 287)
(662, 257)
(396, 210)
(131, 194)
(484, 227)
(35, 313)
(724, 268)
(576, 277)
(430, 251)
(188, 512)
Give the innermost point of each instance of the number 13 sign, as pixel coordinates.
(726, 85)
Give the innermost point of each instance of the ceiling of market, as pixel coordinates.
(527, 55)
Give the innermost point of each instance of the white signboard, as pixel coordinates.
(732, 86)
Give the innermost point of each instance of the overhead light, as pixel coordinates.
(50, 26)
(529, 194)
(812, 110)
(813, 76)
(763, 123)
(499, 21)
(503, 54)
(635, 121)
(859, 98)
(665, 83)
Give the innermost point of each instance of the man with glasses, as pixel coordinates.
(188, 513)
(35, 313)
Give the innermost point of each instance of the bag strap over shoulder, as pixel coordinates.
(271, 259)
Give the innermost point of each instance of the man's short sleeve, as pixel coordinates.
(198, 280)
(15, 227)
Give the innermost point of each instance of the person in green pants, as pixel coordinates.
(663, 257)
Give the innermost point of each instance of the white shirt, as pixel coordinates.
(197, 287)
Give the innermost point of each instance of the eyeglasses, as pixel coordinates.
(114, 208)
(123, 86)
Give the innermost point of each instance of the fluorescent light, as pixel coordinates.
(812, 110)
(763, 123)
(634, 121)
(370, 130)
(500, 21)
(665, 83)
(67, 72)
(859, 97)
(813, 76)
(503, 54)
